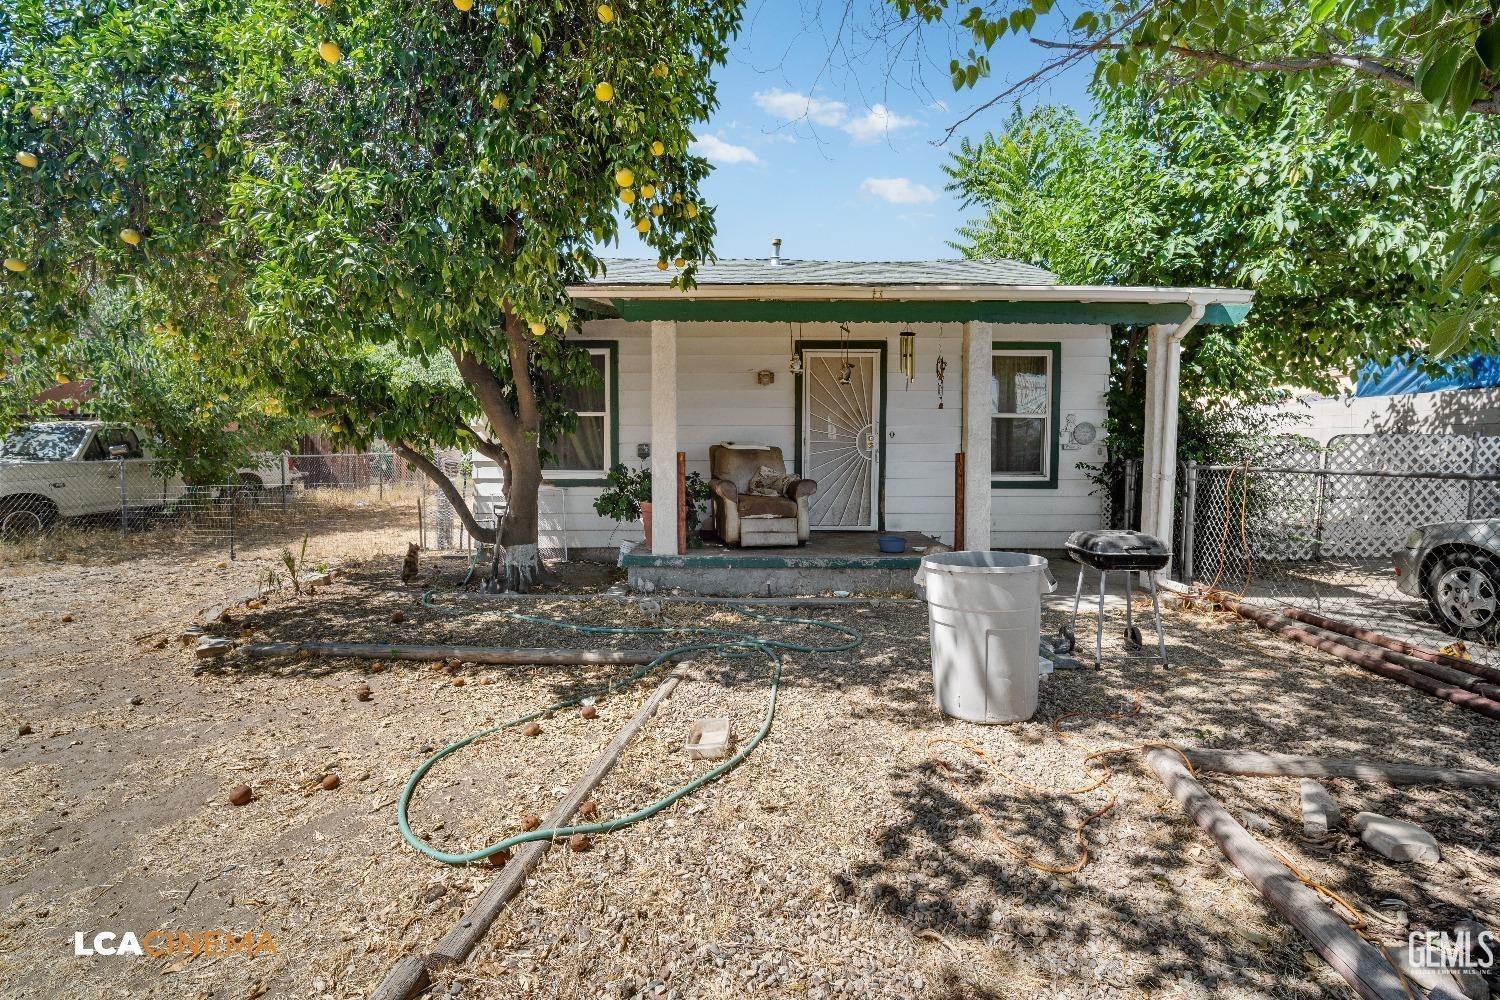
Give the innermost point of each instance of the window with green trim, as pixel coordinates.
(1021, 418)
(588, 452)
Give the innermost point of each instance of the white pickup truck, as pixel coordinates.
(74, 468)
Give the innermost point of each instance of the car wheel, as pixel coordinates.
(1463, 591)
(26, 517)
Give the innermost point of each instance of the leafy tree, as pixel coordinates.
(293, 183)
(1382, 72)
(1344, 251)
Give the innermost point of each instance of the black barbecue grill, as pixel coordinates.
(1129, 552)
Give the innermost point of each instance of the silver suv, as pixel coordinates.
(1455, 567)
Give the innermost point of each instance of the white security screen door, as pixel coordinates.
(841, 436)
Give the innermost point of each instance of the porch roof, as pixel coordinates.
(800, 291)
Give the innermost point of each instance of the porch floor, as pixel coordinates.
(831, 560)
(824, 550)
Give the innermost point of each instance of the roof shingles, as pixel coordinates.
(832, 272)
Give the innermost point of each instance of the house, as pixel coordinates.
(1009, 368)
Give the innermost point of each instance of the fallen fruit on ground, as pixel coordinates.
(330, 782)
(240, 795)
(500, 857)
(397, 617)
(530, 822)
(588, 712)
(458, 682)
(579, 842)
(67, 618)
(587, 808)
(26, 730)
(362, 692)
(531, 729)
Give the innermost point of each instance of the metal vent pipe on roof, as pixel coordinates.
(775, 251)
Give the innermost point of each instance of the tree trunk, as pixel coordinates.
(522, 564)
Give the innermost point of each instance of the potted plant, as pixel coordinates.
(627, 497)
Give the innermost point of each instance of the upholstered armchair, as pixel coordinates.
(751, 508)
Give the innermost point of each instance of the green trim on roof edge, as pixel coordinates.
(912, 311)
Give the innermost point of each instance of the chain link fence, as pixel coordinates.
(77, 503)
(1395, 533)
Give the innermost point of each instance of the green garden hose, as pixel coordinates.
(722, 642)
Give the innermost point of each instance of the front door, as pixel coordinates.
(841, 436)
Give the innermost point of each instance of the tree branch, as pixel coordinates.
(1364, 65)
(460, 505)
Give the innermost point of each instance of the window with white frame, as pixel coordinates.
(1021, 414)
(588, 452)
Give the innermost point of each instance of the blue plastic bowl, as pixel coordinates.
(890, 543)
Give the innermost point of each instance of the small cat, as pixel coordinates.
(409, 564)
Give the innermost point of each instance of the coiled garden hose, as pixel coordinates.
(723, 642)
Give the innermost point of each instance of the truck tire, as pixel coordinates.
(26, 516)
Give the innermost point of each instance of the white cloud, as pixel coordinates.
(876, 123)
(898, 191)
(791, 106)
(721, 153)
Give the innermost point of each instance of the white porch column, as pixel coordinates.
(1151, 457)
(663, 437)
(978, 374)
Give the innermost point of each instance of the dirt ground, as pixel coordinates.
(839, 860)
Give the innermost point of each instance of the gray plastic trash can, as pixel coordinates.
(985, 614)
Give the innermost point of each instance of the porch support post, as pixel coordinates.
(978, 373)
(1159, 472)
(664, 511)
(1152, 428)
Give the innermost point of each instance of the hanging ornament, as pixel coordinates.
(941, 370)
(846, 370)
(795, 364)
(909, 356)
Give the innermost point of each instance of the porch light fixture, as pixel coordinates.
(909, 356)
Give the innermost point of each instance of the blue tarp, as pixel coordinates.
(1405, 376)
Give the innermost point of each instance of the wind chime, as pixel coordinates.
(795, 364)
(846, 372)
(909, 356)
(941, 370)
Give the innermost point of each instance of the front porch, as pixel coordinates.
(831, 560)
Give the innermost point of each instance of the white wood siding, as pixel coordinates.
(719, 400)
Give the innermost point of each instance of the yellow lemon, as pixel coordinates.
(537, 329)
(644, 226)
(627, 196)
(658, 148)
(130, 236)
(624, 177)
(677, 199)
(322, 3)
(648, 191)
(604, 92)
(659, 70)
(463, 4)
(690, 210)
(679, 262)
(330, 52)
(657, 209)
(15, 264)
(27, 159)
(606, 13)
(560, 320)
(196, 356)
(499, 101)
(661, 265)
(118, 161)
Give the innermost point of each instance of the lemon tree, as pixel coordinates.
(303, 181)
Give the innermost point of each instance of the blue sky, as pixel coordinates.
(825, 138)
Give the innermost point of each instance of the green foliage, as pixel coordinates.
(628, 488)
(1345, 253)
(1398, 81)
(432, 192)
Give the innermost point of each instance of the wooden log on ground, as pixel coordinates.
(1489, 673)
(749, 602)
(412, 974)
(473, 654)
(1369, 661)
(1282, 765)
(1360, 963)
